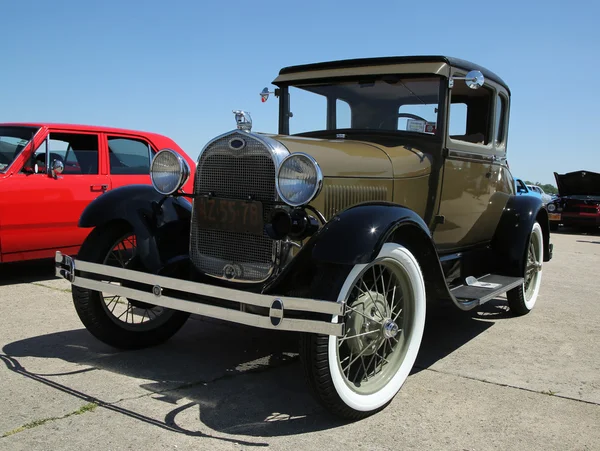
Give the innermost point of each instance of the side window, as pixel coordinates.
(308, 111)
(343, 114)
(471, 114)
(78, 152)
(128, 156)
(500, 119)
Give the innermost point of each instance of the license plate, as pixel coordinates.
(554, 216)
(230, 214)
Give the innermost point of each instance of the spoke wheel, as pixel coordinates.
(360, 373)
(115, 320)
(522, 299)
(129, 313)
(377, 327)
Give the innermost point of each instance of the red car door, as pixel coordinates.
(129, 159)
(40, 212)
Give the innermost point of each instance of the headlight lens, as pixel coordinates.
(551, 207)
(299, 179)
(169, 171)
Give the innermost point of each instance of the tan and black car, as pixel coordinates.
(385, 192)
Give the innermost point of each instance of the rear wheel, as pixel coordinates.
(115, 320)
(360, 373)
(522, 299)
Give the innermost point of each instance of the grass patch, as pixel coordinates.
(90, 407)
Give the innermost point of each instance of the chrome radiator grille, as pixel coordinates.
(235, 174)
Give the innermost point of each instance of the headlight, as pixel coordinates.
(168, 172)
(551, 207)
(299, 179)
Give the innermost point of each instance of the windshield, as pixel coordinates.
(388, 103)
(13, 139)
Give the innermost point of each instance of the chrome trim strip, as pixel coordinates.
(277, 319)
(236, 316)
(201, 289)
(470, 156)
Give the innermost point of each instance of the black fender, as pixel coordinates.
(161, 224)
(511, 238)
(356, 235)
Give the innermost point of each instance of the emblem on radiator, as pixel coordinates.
(157, 290)
(276, 312)
(232, 271)
(237, 144)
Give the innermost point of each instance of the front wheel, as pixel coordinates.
(117, 321)
(360, 373)
(522, 298)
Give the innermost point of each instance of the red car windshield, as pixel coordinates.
(13, 139)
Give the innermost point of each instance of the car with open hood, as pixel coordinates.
(578, 201)
(384, 192)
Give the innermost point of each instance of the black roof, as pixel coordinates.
(340, 64)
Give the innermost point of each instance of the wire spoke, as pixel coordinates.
(359, 355)
(362, 314)
(340, 340)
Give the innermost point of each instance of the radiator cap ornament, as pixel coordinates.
(243, 120)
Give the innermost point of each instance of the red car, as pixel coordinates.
(41, 204)
(578, 201)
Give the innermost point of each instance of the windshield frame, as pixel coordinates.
(284, 107)
(33, 129)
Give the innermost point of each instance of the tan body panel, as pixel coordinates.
(340, 158)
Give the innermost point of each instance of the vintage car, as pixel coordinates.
(384, 193)
(41, 204)
(578, 201)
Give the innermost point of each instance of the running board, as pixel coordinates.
(486, 288)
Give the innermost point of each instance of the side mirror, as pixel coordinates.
(474, 79)
(57, 168)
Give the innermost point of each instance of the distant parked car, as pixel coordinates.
(523, 190)
(578, 201)
(40, 203)
(538, 189)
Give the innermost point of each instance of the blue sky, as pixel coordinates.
(180, 67)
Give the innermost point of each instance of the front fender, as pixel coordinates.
(161, 230)
(511, 238)
(355, 236)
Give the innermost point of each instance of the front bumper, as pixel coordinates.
(284, 313)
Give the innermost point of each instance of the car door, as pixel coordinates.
(41, 211)
(471, 199)
(129, 159)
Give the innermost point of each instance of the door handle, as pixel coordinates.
(96, 188)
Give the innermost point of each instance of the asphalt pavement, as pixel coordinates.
(483, 380)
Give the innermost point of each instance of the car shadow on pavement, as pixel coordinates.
(237, 380)
(27, 272)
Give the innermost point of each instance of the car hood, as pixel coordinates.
(578, 183)
(348, 158)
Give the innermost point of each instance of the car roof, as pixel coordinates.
(81, 127)
(362, 62)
